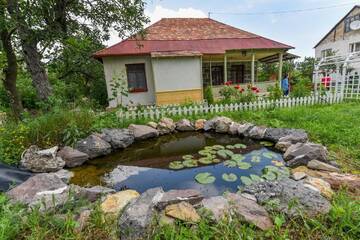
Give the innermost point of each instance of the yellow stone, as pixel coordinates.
(182, 211)
(323, 186)
(114, 203)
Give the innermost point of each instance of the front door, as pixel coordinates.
(217, 74)
(237, 73)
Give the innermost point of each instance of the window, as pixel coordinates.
(236, 73)
(136, 77)
(326, 53)
(354, 47)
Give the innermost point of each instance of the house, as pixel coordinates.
(177, 57)
(343, 39)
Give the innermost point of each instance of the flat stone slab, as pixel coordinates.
(302, 153)
(183, 211)
(191, 196)
(114, 203)
(118, 138)
(94, 146)
(72, 157)
(286, 134)
(142, 132)
(318, 165)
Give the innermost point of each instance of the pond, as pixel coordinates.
(212, 163)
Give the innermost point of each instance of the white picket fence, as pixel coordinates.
(157, 113)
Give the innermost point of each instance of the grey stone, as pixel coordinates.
(257, 132)
(191, 196)
(121, 173)
(233, 128)
(184, 125)
(317, 165)
(72, 157)
(166, 126)
(288, 191)
(286, 135)
(10, 176)
(82, 220)
(118, 138)
(298, 176)
(94, 193)
(218, 206)
(138, 214)
(41, 161)
(45, 182)
(94, 146)
(301, 153)
(219, 124)
(142, 132)
(64, 175)
(244, 129)
(283, 146)
(152, 124)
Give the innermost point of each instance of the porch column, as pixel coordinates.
(280, 68)
(210, 73)
(253, 69)
(225, 68)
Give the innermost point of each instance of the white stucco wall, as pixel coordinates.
(180, 73)
(116, 65)
(340, 47)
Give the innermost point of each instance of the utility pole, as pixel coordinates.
(209, 14)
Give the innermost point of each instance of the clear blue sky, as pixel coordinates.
(301, 30)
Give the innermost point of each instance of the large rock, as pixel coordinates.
(287, 191)
(72, 157)
(317, 165)
(118, 138)
(121, 173)
(323, 186)
(142, 132)
(283, 146)
(257, 132)
(239, 205)
(199, 124)
(94, 146)
(286, 134)
(183, 211)
(184, 125)
(64, 175)
(219, 124)
(114, 203)
(302, 153)
(233, 128)
(94, 193)
(166, 126)
(191, 196)
(10, 176)
(41, 161)
(37, 185)
(138, 214)
(244, 129)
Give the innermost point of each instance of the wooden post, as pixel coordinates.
(210, 73)
(280, 68)
(225, 68)
(253, 69)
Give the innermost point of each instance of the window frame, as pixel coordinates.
(352, 47)
(136, 90)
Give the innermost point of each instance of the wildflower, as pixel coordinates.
(237, 87)
(254, 88)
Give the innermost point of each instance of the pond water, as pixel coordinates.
(162, 161)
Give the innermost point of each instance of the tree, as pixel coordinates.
(10, 67)
(306, 67)
(44, 26)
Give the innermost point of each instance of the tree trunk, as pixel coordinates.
(33, 61)
(10, 72)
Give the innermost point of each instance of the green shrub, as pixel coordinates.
(275, 92)
(208, 95)
(301, 88)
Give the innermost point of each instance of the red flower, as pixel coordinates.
(237, 87)
(257, 91)
(228, 83)
(254, 88)
(241, 90)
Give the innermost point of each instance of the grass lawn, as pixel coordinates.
(336, 126)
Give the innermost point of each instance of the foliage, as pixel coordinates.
(237, 94)
(302, 88)
(119, 88)
(306, 67)
(208, 95)
(205, 178)
(275, 92)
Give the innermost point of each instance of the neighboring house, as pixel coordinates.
(177, 57)
(343, 39)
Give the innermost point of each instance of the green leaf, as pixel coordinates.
(240, 145)
(187, 157)
(271, 169)
(229, 177)
(237, 157)
(246, 180)
(256, 178)
(224, 153)
(176, 165)
(218, 147)
(205, 160)
(205, 178)
(230, 147)
(216, 160)
(204, 152)
(267, 143)
(269, 176)
(269, 155)
(230, 163)
(244, 165)
(255, 159)
(190, 163)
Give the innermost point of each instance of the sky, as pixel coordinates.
(301, 30)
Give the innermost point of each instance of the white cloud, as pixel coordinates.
(161, 12)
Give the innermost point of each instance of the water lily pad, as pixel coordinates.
(237, 157)
(230, 147)
(267, 143)
(229, 177)
(205, 178)
(176, 165)
(187, 157)
(230, 163)
(269, 155)
(256, 159)
(270, 176)
(204, 152)
(244, 165)
(277, 163)
(190, 163)
(271, 168)
(205, 160)
(216, 160)
(240, 145)
(217, 147)
(246, 180)
(256, 178)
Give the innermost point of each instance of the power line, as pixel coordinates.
(282, 11)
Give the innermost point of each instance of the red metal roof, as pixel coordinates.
(202, 35)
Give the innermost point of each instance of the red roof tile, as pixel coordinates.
(202, 35)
